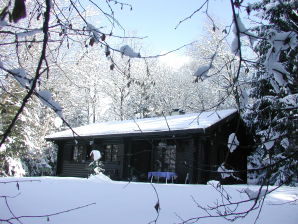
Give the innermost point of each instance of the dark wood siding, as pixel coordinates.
(141, 162)
(197, 154)
(71, 169)
(182, 160)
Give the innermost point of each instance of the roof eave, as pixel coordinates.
(148, 134)
(140, 134)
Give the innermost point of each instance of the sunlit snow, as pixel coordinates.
(133, 203)
(149, 125)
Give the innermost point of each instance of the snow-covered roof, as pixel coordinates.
(148, 125)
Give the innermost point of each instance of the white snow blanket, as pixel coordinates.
(131, 203)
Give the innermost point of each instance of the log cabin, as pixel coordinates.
(186, 148)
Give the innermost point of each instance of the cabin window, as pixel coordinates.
(111, 153)
(165, 157)
(78, 153)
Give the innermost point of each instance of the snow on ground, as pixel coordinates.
(133, 203)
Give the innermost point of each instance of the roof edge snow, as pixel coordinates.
(186, 122)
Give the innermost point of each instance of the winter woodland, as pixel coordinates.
(60, 69)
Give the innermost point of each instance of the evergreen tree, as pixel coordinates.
(14, 147)
(273, 114)
(96, 166)
(25, 151)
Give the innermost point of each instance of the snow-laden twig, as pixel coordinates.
(129, 52)
(46, 215)
(37, 72)
(28, 33)
(202, 71)
(156, 206)
(233, 142)
(227, 208)
(226, 173)
(46, 98)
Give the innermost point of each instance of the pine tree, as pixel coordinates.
(274, 112)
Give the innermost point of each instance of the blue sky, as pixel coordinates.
(157, 20)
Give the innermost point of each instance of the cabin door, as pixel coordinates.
(140, 163)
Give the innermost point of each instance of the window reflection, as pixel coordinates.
(165, 157)
(111, 153)
(78, 153)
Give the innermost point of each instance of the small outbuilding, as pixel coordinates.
(187, 148)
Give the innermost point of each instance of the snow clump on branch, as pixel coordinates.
(94, 32)
(28, 33)
(129, 52)
(233, 142)
(21, 76)
(214, 183)
(255, 194)
(46, 98)
(279, 41)
(239, 30)
(3, 23)
(226, 173)
(95, 154)
(202, 72)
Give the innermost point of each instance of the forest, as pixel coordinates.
(60, 69)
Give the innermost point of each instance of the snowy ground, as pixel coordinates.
(120, 202)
